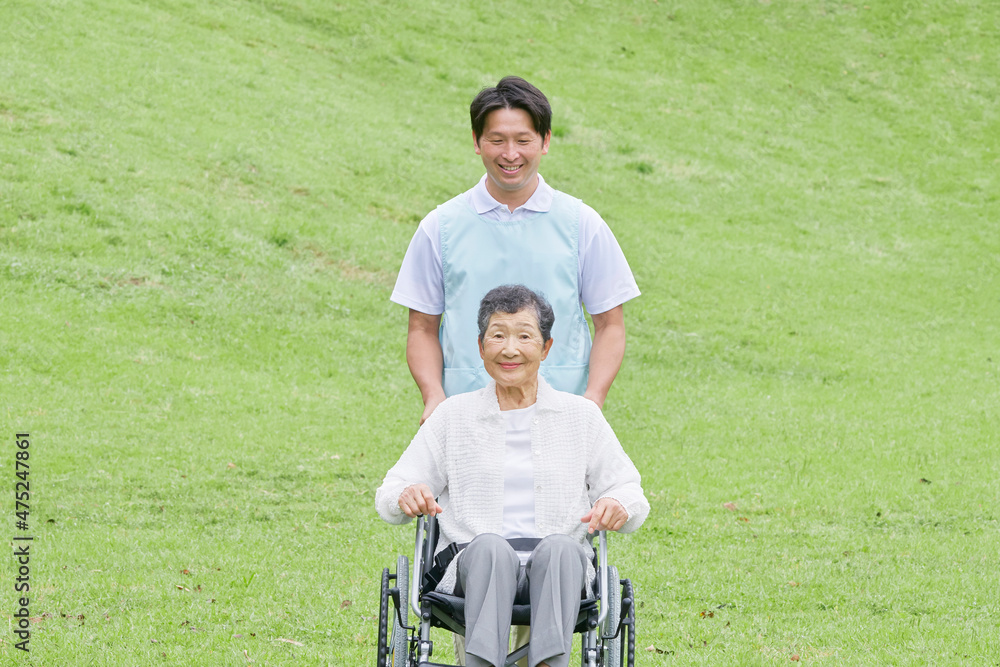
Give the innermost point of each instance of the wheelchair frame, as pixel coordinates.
(606, 621)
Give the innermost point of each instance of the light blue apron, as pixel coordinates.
(539, 252)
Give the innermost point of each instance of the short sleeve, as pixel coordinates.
(420, 283)
(606, 280)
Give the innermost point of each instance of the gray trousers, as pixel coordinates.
(491, 580)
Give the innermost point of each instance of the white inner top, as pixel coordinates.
(518, 478)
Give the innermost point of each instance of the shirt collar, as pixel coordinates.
(540, 201)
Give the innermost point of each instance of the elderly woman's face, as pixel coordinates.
(512, 348)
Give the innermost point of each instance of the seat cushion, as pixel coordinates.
(453, 607)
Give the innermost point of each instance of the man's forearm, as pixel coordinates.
(424, 360)
(606, 354)
(423, 356)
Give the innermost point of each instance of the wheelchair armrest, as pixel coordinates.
(602, 579)
(417, 570)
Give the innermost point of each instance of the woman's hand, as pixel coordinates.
(606, 514)
(417, 499)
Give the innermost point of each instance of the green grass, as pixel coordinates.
(202, 209)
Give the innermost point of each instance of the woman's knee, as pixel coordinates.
(491, 548)
(558, 547)
(489, 542)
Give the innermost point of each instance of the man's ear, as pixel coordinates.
(545, 142)
(475, 142)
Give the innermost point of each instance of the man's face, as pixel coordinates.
(511, 150)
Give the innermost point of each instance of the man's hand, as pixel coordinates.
(417, 499)
(430, 403)
(606, 514)
(595, 397)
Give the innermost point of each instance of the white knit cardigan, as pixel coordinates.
(459, 453)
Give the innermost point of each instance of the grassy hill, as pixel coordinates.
(202, 210)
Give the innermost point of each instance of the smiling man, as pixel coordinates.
(513, 227)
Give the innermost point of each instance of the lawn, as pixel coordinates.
(202, 210)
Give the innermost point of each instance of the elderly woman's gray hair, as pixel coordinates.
(514, 299)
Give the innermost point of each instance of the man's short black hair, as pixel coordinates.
(512, 92)
(513, 299)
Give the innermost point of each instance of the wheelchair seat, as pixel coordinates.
(448, 611)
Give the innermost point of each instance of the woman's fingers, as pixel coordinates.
(417, 499)
(606, 514)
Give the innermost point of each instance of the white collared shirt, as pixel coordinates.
(605, 279)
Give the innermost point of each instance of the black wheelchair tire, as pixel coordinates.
(628, 631)
(383, 621)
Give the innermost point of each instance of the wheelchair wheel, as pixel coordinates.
(383, 621)
(398, 643)
(611, 646)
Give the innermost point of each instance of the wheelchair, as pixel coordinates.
(606, 621)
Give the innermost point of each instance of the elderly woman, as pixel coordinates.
(521, 473)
